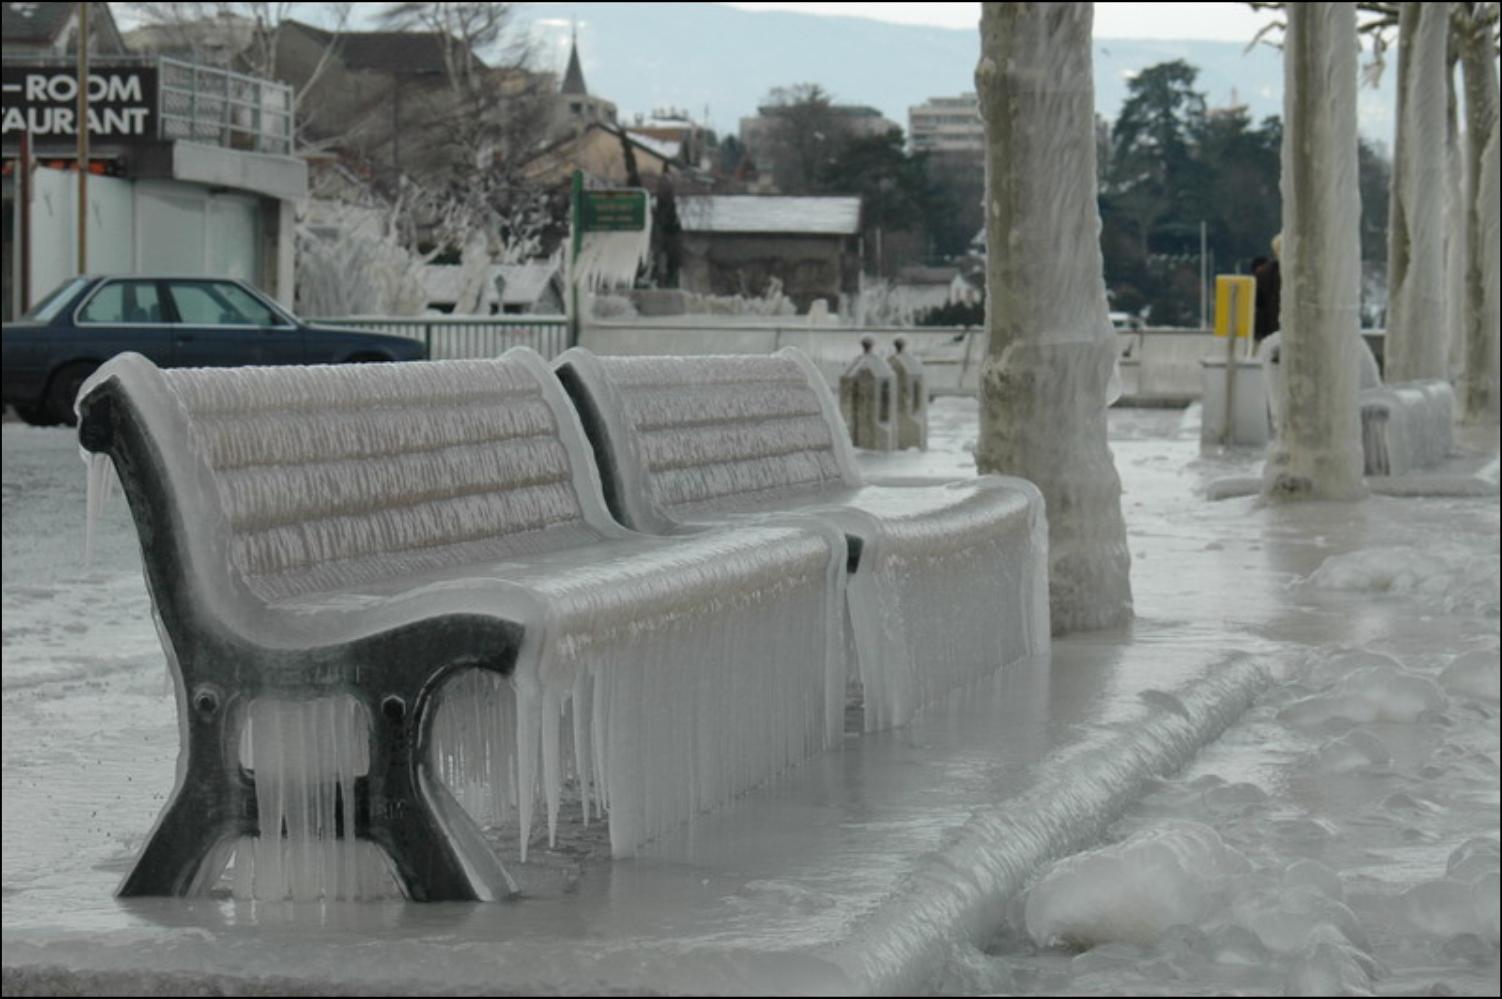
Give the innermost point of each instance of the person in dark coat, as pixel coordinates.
(1266, 320)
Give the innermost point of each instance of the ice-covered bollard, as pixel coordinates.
(867, 396)
(912, 398)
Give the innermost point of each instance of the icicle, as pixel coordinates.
(101, 481)
(582, 720)
(612, 258)
(528, 706)
(552, 769)
(305, 756)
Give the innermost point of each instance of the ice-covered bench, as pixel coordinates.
(333, 552)
(1404, 426)
(949, 578)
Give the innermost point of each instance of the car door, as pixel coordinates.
(119, 315)
(219, 323)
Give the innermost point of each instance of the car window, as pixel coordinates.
(45, 310)
(123, 302)
(219, 303)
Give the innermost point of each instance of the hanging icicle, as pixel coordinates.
(607, 259)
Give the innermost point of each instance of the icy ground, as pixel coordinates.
(1283, 776)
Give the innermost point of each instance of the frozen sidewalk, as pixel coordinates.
(868, 869)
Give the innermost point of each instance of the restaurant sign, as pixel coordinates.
(43, 100)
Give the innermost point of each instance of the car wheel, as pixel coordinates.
(63, 392)
(36, 416)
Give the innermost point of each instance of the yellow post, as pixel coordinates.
(1235, 301)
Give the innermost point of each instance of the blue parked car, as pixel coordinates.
(177, 322)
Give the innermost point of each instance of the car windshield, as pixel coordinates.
(45, 310)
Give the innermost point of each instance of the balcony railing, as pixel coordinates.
(221, 108)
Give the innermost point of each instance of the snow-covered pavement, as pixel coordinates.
(1300, 845)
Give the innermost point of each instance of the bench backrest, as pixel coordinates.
(314, 478)
(682, 435)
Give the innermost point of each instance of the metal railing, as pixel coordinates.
(221, 108)
(452, 338)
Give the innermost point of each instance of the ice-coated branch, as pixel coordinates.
(1047, 380)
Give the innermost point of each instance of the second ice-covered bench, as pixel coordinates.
(1405, 426)
(949, 578)
(333, 552)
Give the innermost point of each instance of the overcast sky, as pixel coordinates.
(1230, 22)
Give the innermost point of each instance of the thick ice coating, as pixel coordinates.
(1406, 427)
(1133, 891)
(950, 578)
(1050, 371)
(1317, 453)
(310, 510)
(1417, 340)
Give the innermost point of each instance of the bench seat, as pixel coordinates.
(370, 536)
(949, 578)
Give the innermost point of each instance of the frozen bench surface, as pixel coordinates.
(1406, 426)
(952, 571)
(354, 538)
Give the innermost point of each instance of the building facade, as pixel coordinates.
(191, 169)
(739, 244)
(947, 125)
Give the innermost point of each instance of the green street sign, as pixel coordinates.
(613, 211)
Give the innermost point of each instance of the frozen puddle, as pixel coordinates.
(1356, 803)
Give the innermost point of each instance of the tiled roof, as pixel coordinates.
(34, 22)
(834, 216)
(401, 53)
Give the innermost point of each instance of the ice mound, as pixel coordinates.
(1287, 918)
(1458, 579)
(1375, 693)
(1449, 907)
(1232, 799)
(1313, 874)
(1327, 669)
(1131, 892)
(1353, 751)
(1474, 858)
(1474, 674)
(1328, 968)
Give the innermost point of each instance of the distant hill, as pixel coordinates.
(697, 55)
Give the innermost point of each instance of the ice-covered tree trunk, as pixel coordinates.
(474, 273)
(1052, 357)
(1318, 451)
(1478, 381)
(1483, 395)
(1457, 250)
(1417, 331)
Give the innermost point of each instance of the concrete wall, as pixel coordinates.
(1164, 365)
(952, 357)
(54, 227)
